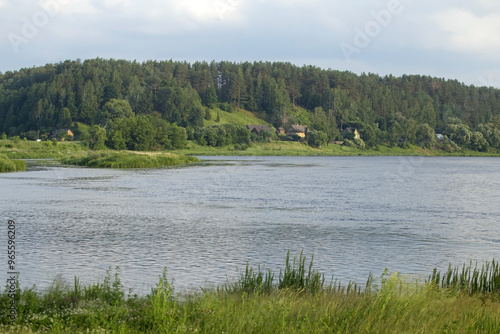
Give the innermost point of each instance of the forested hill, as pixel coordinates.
(386, 109)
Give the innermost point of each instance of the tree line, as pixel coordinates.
(114, 94)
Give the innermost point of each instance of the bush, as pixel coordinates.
(357, 142)
(7, 165)
(316, 138)
(226, 107)
(224, 134)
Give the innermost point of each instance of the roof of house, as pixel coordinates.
(258, 128)
(59, 130)
(297, 128)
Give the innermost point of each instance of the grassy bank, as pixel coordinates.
(21, 149)
(8, 165)
(286, 148)
(295, 300)
(126, 159)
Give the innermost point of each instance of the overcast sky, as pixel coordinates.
(448, 39)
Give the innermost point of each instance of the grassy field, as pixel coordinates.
(288, 148)
(21, 149)
(237, 117)
(127, 159)
(295, 300)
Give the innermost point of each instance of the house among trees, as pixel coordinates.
(298, 130)
(62, 134)
(354, 131)
(258, 128)
(280, 131)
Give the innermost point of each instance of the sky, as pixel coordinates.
(446, 39)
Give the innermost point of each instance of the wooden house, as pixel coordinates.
(62, 134)
(298, 130)
(258, 128)
(354, 131)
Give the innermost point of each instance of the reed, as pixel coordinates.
(258, 304)
(294, 275)
(470, 278)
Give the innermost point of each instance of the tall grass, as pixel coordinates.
(294, 275)
(297, 302)
(469, 278)
(113, 159)
(8, 165)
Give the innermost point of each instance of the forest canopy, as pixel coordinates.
(163, 96)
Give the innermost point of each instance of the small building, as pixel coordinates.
(280, 131)
(257, 129)
(297, 130)
(62, 134)
(354, 131)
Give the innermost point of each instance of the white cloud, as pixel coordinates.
(469, 33)
(428, 37)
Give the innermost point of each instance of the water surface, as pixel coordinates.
(355, 214)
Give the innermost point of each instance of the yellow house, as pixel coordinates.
(62, 133)
(355, 131)
(299, 130)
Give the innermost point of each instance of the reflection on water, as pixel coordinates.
(356, 215)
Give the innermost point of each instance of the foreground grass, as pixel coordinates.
(126, 159)
(299, 302)
(285, 148)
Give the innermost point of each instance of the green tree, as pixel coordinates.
(425, 136)
(96, 138)
(64, 118)
(117, 141)
(208, 115)
(316, 138)
(478, 142)
(115, 109)
(211, 99)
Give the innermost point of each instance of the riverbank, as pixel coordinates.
(76, 153)
(295, 300)
(288, 148)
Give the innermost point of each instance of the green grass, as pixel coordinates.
(127, 159)
(8, 165)
(299, 301)
(22, 149)
(288, 148)
(237, 117)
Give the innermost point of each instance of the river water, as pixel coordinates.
(204, 222)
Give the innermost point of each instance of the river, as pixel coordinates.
(204, 222)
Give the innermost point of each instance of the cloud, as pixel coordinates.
(466, 32)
